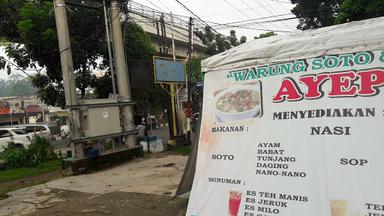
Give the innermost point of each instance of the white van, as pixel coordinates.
(14, 135)
(37, 129)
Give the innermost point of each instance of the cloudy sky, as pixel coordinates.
(3, 73)
(231, 11)
(246, 17)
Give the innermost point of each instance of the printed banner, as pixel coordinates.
(300, 138)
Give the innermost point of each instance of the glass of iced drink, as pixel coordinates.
(338, 208)
(234, 202)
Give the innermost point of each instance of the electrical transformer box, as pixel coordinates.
(100, 117)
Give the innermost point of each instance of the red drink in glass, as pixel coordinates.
(234, 202)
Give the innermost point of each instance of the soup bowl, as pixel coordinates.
(235, 115)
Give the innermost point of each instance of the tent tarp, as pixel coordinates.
(349, 37)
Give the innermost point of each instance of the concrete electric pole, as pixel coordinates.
(122, 77)
(67, 70)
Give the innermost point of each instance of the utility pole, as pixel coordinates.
(123, 86)
(68, 72)
(171, 115)
(189, 105)
(109, 48)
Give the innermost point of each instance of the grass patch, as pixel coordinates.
(3, 192)
(12, 174)
(14, 179)
(183, 149)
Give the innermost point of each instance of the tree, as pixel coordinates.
(243, 39)
(16, 86)
(138, 44)
(232, 38)
(315, 13)
(216, 43)
(264, 35)
(352, 10)
(9, 16)
(34, 41)
(321, 13)
(138, 47)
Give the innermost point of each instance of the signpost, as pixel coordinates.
(170, 72)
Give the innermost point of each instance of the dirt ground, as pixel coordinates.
(142, 187)
(115, 203)
(30, 181)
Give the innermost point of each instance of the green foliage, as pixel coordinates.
(232, 38)
(243, 39)
(321, 13)
(17, 173)
(103, 86)
(9, 15)
(15, 157)
(196, 74)
(17, 86)
(264, 35)
(217, 43)
(315, 13)
(33, 40)
(39, 151)
(155, 97)
(351, 10)
(185, 150)
(138, 45)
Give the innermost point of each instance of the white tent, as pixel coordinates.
(291, 125)
(349, 37)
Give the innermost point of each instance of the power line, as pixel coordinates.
(190, 11)
(251, 18)
(237, 9)
(255, 11)
(154, 4)
(286, 2)
(281, 5)
(256, 19)
(164, 5)
(230, 12)
(246, 26)
(270, 11)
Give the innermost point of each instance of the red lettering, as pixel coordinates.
(288, 91)
(314, 85)
(370, 81)
(342, 84)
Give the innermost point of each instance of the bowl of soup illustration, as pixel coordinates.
(238, 103)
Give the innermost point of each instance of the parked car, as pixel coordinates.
(37, 129)
(18, 136)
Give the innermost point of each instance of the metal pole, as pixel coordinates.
(42, 112)
(172, 86)
(174, 59)
(173, 39)
(109, 49)
(189, 106)
(67, 70)
(122, 72)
